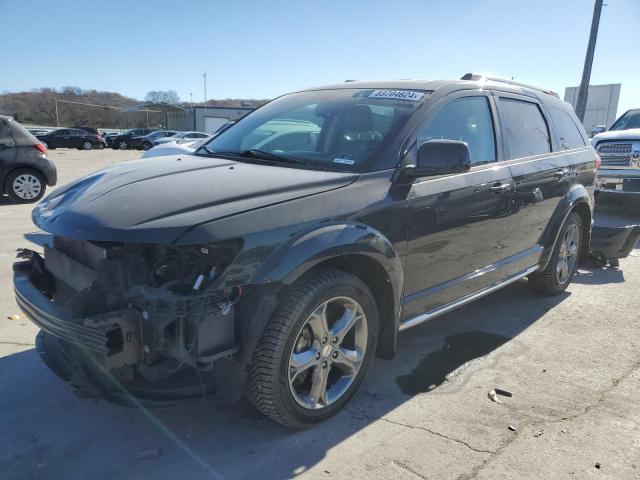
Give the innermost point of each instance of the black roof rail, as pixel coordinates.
(477, 76)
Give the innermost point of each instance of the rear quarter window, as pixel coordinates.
(568, 132)
(524, 128)
(21, 136)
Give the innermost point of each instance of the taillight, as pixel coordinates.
(41, 147)
(598, 161)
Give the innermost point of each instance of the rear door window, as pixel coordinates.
(466, 119)
(524, 128)
(569, 136)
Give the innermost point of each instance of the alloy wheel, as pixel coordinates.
(26, 186)
(568, 254)
(87, 145)
(327, 353)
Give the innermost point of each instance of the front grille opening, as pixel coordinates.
(115, 341)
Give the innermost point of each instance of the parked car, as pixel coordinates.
(280, 268)
(183, 147)
(619, 150)
(180, 136)
(71, 138)
(96, 133)
(108, 137)
(123, 140)
(25, 168)
(145, 142)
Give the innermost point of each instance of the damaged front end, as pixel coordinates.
(131, 320)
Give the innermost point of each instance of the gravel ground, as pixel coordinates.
(572, 363)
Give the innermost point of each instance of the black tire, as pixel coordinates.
(123, 145)
(547, 281)
(146, 146)
(268, 379)
(87, 145)
(614, 262)
(16, 196)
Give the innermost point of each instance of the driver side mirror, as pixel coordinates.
(440, 157)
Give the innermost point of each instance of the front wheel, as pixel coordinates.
(122, 145)
(87, 145)
(557, 276)
(315, 350)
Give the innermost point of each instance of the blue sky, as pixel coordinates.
(260, 49)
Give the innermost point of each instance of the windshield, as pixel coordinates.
(337, 129)
(629, 120)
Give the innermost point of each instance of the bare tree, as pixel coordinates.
(162, 96)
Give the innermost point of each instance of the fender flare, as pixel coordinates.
(329, 241)
(576, 197)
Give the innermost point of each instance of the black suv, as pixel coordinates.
(124, 141)
(297, 244)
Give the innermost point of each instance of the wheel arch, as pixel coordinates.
(578, 200)
(352, 247)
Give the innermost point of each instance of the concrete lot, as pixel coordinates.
(572, 363)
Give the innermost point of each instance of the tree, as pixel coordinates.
(160, 96)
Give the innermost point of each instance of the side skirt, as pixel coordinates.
(425, 317)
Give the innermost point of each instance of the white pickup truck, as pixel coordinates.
(619, 149)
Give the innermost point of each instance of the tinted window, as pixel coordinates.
(631, 119)
(468, 120)
(568, 134)
(524, 128)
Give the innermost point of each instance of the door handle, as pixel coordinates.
(499, 188)
(560, 173)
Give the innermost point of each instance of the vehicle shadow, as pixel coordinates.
(598, 276)
(50, 433)
(6, 200)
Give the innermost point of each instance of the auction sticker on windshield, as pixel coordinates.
(411, 95)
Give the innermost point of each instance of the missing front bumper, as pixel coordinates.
(141, 352)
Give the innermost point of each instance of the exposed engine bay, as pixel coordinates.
(133, 312)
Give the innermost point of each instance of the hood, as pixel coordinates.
(631, 134)
(171, 148)
(157, 200)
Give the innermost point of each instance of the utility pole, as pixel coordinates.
(205, 101)
(57, 120)
(583, 94)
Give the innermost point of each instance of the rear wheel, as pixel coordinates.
(146, 145)
(315, 350)
(87, 145)
(123, 145)
(558, 274)
(25, 185)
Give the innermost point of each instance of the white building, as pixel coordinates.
(602, 104)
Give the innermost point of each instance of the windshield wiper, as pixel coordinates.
(208, 150)
(261, 154)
